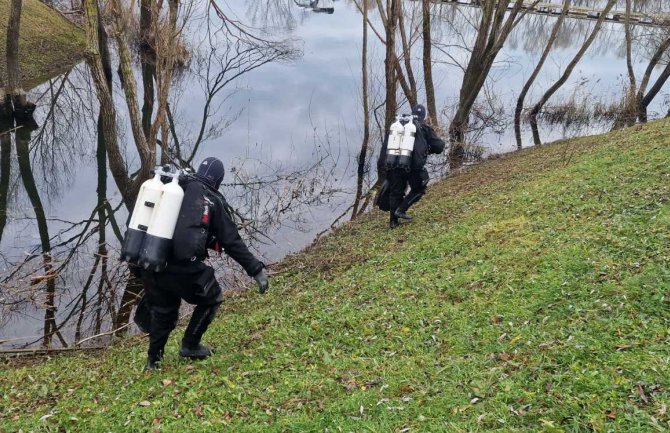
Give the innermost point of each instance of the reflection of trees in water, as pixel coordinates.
(60, 144)
(79, 252)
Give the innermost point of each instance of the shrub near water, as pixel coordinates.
(529, 294)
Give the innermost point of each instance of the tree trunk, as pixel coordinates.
(642, 108)
(12, 46)
(390, 22)
(629, 114)
(535, 73)
(390, 61)
(148, 62)
(566, 74)
(428, 64)
(411, 92)
(117, 164)
(14, 85)
(660, 81)
(366, 115)
(146, 153)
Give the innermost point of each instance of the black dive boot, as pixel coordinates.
(400, 214)
(154, 363)
(199, 351)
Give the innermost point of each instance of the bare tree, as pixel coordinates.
(568, 70)
(492, 33)
(536, 72)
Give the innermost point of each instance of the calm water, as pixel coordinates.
(291, 130)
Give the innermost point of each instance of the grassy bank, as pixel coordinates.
(530, 293)
(48, 43)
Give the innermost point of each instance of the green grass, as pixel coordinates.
(48, 43)
(530, 293)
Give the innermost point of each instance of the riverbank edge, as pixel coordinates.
(49, 44)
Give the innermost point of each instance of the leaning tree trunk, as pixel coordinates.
(641, 107)
(536, 72)
(566, 74)
(660, 81)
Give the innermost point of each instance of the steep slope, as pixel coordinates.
(530, 293)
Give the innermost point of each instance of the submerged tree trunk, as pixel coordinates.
(566, 74)
(536, 72)
(428, 64)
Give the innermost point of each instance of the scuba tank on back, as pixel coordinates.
(158, 242)
(407, 145)
(148, 239)
(400, 143)
(393, 143)
(148, 197)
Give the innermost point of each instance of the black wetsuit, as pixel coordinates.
(426, 142)
(191, 279)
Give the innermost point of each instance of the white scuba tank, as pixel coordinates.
(145, 206)
(407, 145)
(393, 143)
(158, 242)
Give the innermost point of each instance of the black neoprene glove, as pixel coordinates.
(262, 281)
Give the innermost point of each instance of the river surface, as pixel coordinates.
(288, 132)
